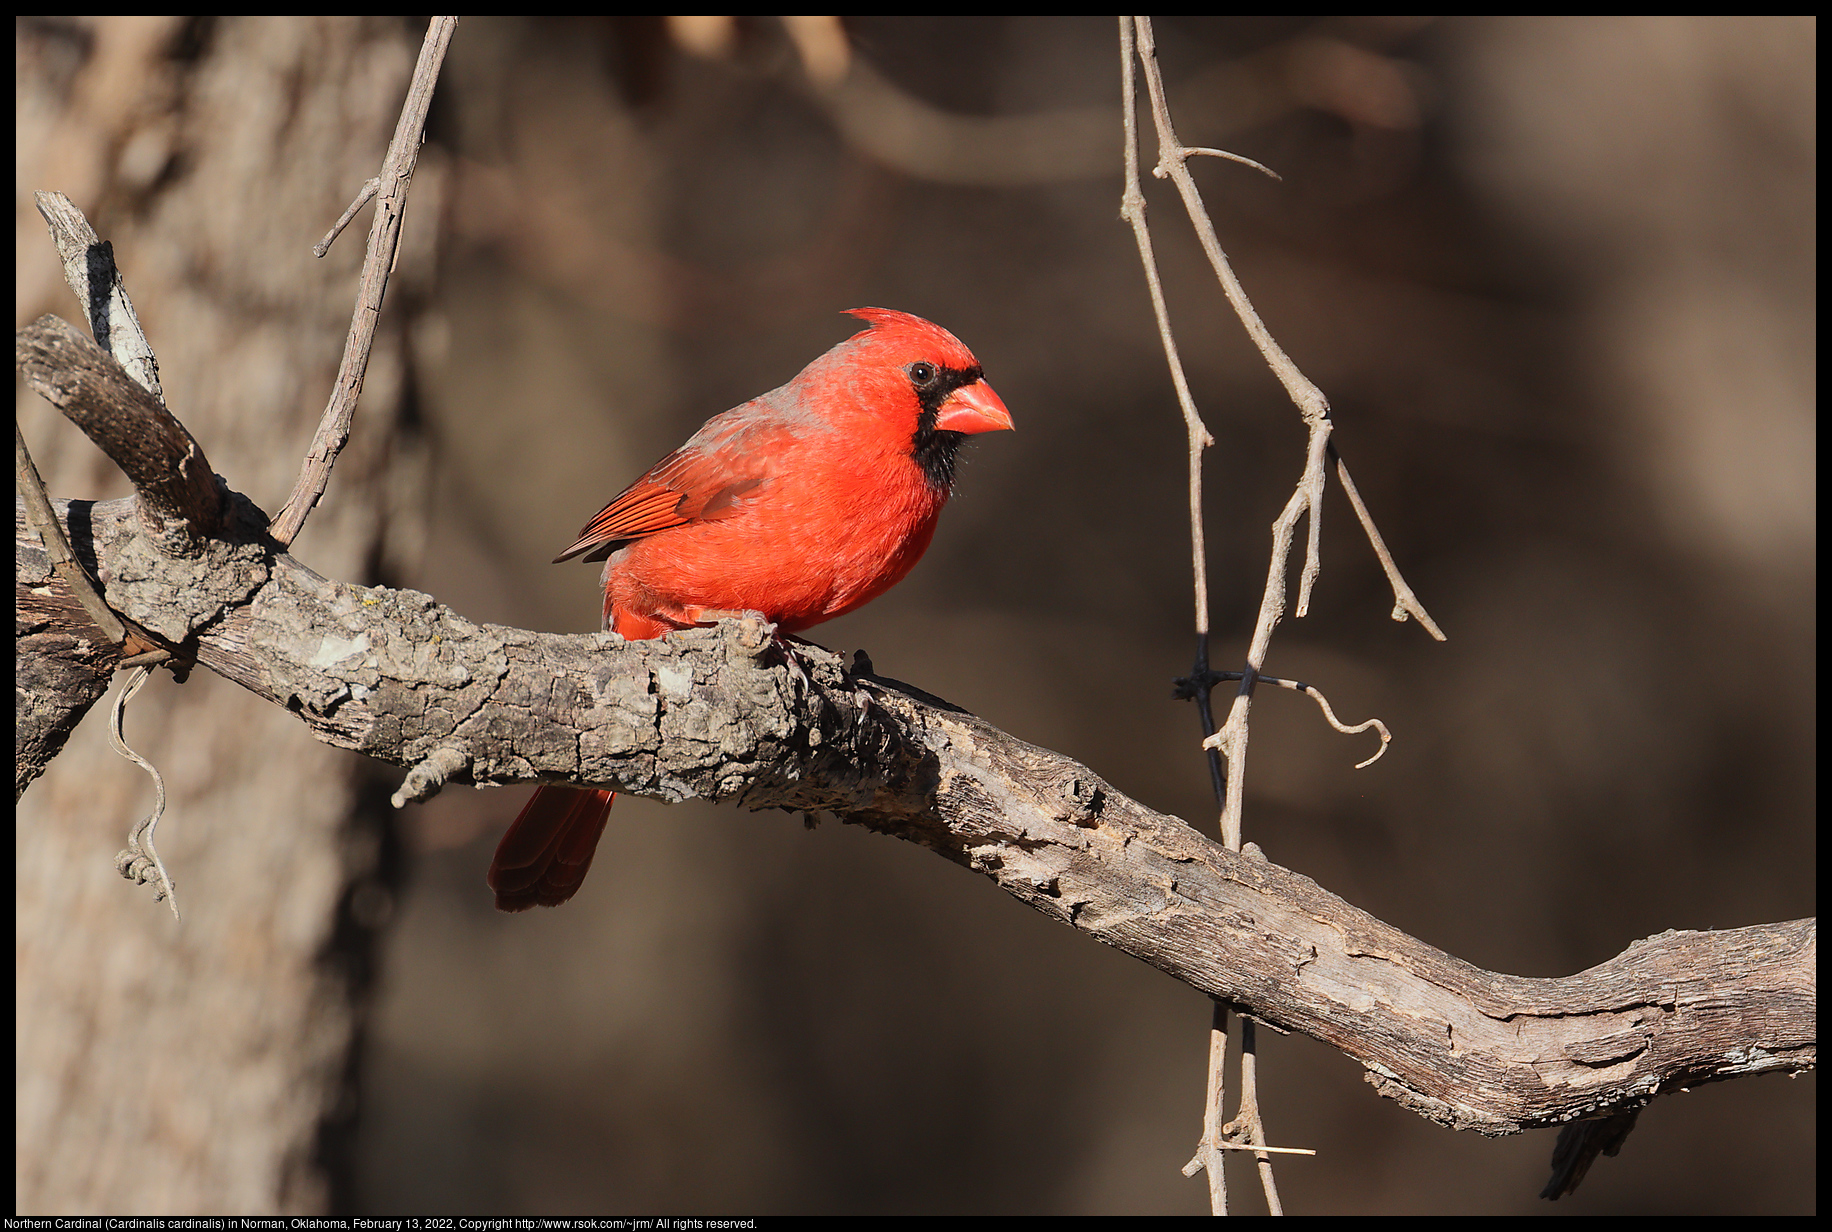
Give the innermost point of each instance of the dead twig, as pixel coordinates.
(89, 268)
(390, 193)
(1229, 744)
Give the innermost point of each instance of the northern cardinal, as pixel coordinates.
(800, 506)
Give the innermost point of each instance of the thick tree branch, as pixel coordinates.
(179, 496)
(711, 713)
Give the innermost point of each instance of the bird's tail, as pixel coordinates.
(543, 858)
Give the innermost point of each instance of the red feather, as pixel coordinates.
(799, 505)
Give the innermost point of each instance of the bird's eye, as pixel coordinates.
(921, 373)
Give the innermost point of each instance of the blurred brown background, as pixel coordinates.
(1556, 277)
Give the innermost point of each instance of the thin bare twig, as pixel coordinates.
(1248, 1128)
(378, 262)
(1210, 152)
(1173, 156)
(1230, 743)
(1209, 1147)
(363, 197)
(1267, 1150)
(1310, 401)
(1192, 685)
(1405, 603)
(1132, 209)
(1209, 1150)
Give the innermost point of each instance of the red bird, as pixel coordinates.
(800, 505)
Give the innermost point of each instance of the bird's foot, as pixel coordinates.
(756, 631)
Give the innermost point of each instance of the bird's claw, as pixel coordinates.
(757, 632)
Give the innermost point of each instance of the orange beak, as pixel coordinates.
(973, 408)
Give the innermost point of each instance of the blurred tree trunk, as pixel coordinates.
(204, 1067)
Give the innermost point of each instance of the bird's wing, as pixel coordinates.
(717, 474)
